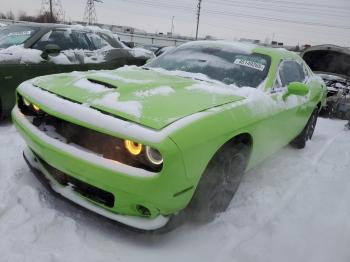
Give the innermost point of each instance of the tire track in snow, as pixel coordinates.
(234, 244)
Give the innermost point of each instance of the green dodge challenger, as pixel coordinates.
(140, 145)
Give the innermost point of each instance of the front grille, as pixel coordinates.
(95, 194)
(101, 144)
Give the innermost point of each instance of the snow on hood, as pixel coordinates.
(142, 96)
(141, 52)
(19, 54)
(111, 100)
(120, 78)
(162, 90)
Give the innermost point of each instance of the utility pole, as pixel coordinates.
(90, 15)
(52, 10)
(172, 26)
(198, 16)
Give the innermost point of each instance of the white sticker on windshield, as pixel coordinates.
(20, 33)
(250, 64)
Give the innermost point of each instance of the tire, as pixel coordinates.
(219, 183)
(307, 133)
(1, 111)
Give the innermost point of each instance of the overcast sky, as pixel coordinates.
(289, 21)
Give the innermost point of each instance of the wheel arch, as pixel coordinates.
(319, 106)
(244, 138)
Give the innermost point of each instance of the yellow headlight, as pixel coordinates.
(26, 102)
(133, 147)
(36, 108)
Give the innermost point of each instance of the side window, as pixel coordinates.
(65, 39)
(80, 40)
(97, 41)
(57, 37)
(291, 71)
(111, 40)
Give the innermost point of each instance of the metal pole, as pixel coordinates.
(198, 16)
(172, 26)
(51, 12)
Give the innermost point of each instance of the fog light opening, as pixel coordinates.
(144, 211)
(154, 156)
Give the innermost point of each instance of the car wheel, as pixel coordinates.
(219, 182)
(307, 133)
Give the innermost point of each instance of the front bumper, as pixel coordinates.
(68, 192)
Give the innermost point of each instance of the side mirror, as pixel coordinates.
(129, 44)
(149, 60)
(50, 49)
(296, 88)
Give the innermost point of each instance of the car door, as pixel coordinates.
(114, 53)
(282, 118)
(73, 45)
(293, 114)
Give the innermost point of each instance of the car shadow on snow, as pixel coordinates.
(5, 122)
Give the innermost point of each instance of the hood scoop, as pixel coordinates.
(102, 83)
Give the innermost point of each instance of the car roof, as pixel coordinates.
(41, 25)
(275, 53)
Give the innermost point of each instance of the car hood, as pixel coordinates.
(328, 59)
(147, 97)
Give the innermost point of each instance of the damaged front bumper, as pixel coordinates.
(70, 193)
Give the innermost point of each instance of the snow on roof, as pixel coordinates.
(242, 47)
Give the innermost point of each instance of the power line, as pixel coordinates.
(301, 4)
(216, 12)
(281, 8)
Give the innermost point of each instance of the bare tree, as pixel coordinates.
(42, 18)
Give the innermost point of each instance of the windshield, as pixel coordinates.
(16, 35)
(223, 63)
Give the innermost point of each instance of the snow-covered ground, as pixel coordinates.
(293, 207)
